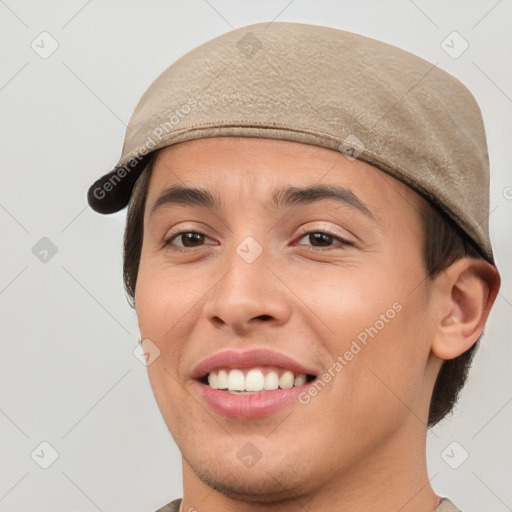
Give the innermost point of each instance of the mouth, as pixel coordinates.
(251, 384)
(261, 379)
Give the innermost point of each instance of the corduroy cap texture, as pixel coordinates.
(322, 86)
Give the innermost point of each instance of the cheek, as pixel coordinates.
(376, 327)
(352, 302)
(163, 299)
(162, 304)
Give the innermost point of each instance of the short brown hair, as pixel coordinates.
(445, 243)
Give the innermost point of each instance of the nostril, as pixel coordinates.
(264, 317)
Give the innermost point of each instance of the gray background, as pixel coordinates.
(68, 375)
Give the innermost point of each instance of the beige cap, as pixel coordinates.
(326, 87)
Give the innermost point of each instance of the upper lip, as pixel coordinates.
(248, 359)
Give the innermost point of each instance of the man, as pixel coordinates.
(307, 250)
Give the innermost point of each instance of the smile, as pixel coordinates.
(238, 381)
(251, 384)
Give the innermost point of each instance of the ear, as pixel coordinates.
(463, 296)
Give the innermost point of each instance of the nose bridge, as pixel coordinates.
(246, 281)
(248, 291)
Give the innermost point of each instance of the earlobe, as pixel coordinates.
(464, 294)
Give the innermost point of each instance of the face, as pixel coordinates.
(292, 267)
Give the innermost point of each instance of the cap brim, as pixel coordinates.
(112, 191)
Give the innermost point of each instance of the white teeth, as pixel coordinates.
(212, 380)
(271, 381)
(286, 380)
(222, 379)
(299, 380)
(254, 381)
(236, 381)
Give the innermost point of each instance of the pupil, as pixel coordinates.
(319, 237)
(192, 237)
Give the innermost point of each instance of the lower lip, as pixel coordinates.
(256, 405)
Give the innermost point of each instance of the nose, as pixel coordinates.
(249, 295)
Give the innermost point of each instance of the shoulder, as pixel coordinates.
(173, 506)
(446, 505)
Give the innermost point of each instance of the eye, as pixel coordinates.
(187, 239)
(323, 239)
(190, 239)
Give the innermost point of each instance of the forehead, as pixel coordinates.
(236, 169)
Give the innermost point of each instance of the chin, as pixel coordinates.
(265, 482)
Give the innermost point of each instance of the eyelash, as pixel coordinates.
(343, 241)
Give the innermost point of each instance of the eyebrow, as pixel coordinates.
(282, 198)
